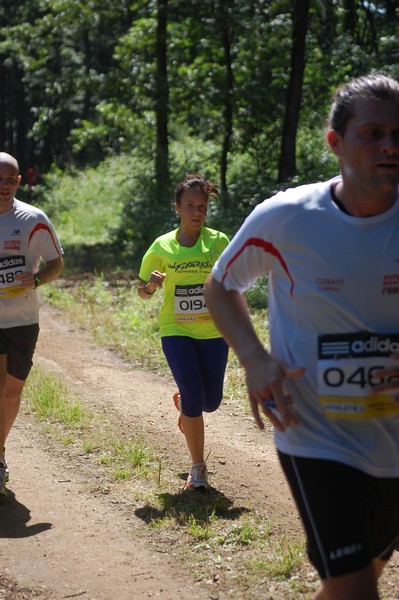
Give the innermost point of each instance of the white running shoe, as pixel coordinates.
(197, 478)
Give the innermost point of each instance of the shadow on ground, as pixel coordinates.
(186, 505)
(14, 518)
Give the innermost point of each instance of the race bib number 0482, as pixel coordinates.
(10, 266)
(347, 372)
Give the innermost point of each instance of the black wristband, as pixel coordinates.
(149, 293)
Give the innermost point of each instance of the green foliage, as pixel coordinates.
(63, 50)
(244, 534)
(80, 90)
(86, 206)
(79, 78)
(315, 160)
(280, 563)
(130, 456)
(49, 400)
(257, 295)
(114, 130)
(201, 530)
(108, 215)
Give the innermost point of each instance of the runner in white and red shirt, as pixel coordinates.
(330, 380)
(30, 255)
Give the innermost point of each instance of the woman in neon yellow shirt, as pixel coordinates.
(180, 261)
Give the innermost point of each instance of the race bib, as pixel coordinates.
(10, 266)
(347, 374)
(189, 304)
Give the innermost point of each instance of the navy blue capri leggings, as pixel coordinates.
(198, 367)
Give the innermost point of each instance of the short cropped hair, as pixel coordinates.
(374, 87)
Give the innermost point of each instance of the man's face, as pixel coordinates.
(9, 183)
(369, 149)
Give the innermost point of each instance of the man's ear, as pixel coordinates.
(334, 141)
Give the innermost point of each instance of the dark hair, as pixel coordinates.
(373, 87)
(196, 181)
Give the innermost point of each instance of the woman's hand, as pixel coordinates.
(147, 288)
(156, 278)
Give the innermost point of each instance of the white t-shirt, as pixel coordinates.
(334, 309)
(26, 237)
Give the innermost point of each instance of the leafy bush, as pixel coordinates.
(257, 295)
(108, 215)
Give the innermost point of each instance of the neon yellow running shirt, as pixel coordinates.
(183, 310)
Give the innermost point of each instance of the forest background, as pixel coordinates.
(118, 100)
(113, 102)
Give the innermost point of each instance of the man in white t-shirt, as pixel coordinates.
(30, 255)
(330, 383)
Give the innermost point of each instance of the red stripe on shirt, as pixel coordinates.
(267, 247)
(46, 228)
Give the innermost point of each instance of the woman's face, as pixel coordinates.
(192, 209)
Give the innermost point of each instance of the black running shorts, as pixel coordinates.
(349, 517)
(19, 344)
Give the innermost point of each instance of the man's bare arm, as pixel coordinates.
(49, 271)
(264, 374)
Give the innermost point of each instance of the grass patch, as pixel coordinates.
(201, 530)
(64, 415)
(281, 561)
(49, 400)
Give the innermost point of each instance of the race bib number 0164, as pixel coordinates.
(347, 372)
(190, 304)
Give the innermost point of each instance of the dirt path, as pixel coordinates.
(59, 539)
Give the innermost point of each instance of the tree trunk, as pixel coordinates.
(162, 104)
(349, 24)
(287, 164)
(228, 97)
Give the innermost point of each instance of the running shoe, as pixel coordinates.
(197, 479)
(4, 462)
(3, 491)
(177, 403)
